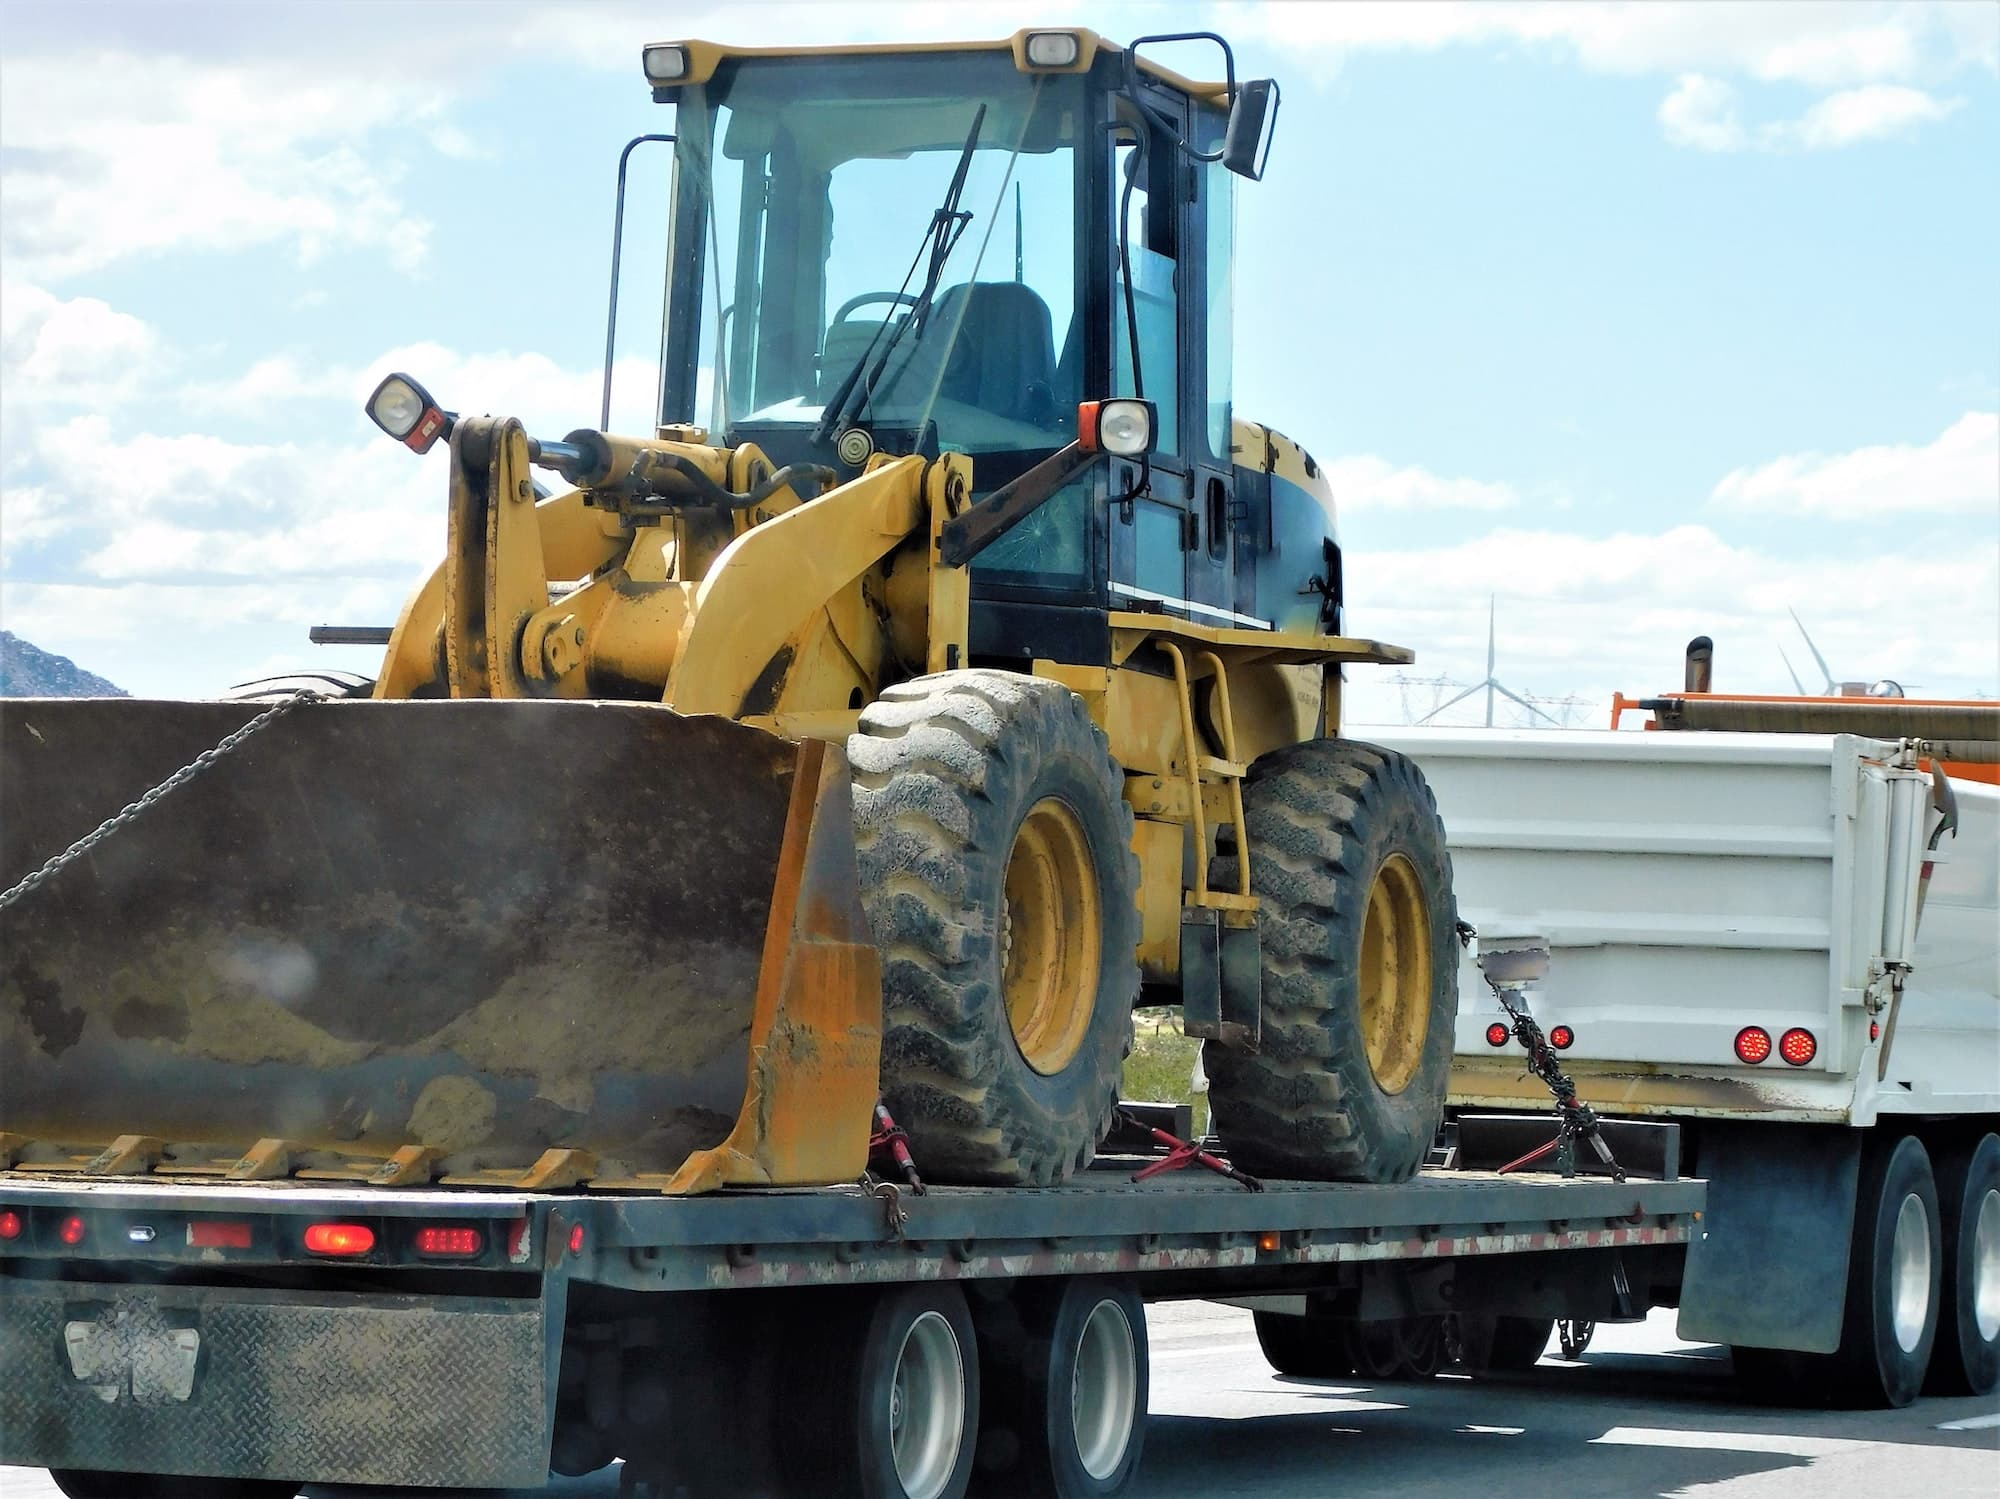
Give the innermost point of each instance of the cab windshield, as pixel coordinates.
(806, 233)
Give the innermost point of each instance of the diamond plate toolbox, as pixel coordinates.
(372, 1389)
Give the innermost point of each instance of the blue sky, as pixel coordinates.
(1651, 321)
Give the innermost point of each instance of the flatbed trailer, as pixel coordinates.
(278, 1333)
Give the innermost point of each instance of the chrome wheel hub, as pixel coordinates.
(1910, 1274)
(1104, 1396)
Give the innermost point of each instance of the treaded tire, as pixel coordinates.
(1304, 1347)
(1966, 1359)
(1324, 817)
(946, 770)
(1504, 1345)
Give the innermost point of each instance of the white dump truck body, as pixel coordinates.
(1690, 885)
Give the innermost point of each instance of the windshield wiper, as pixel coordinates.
(947, 224)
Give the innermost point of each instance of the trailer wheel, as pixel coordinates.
(92, 1483)
(1304, 1347)
(883, 1398)
(996, 864)
(1504, 1345)
(1347, 856)
(1966, 1360)
(1063, 1391)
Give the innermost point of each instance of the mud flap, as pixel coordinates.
(521, 943)
(1767, 1267)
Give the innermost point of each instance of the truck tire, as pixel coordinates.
(1358, 927)
(1304, 1347)
(1063, 1390)
(881, 1399)
(93, 1483)
(1504, 1345)
(1966, 1360)
(996, 864)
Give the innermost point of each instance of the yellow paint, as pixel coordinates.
(1395, 974)
(1159, 846)
(1051, 936)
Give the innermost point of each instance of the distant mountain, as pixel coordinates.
(29, 671)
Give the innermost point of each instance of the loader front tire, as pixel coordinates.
(996, 864)
(1358, 928)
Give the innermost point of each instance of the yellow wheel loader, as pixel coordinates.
(947, 672)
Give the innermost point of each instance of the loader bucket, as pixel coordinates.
(519, 943)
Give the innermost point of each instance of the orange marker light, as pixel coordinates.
(1268, 1242)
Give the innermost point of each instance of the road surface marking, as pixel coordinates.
(1733, 1441)
(1971, 1423)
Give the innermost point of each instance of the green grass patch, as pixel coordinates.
(1161, 1067)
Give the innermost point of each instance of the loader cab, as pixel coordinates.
(876, 250)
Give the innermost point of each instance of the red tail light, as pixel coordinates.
(576, 1239)
(340, 1238)
(10, 1224)
(214, 1235)
(1562, 1038)
(72, 1230)
(1797, 1046)
(443, 1242)
(1874, 1030)
(1496, 1034)
(1753, 1044)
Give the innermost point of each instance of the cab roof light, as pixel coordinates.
(1798, 1046)
(665, 63)
(1753, 1045)
(340, 1238)
(1053, 49)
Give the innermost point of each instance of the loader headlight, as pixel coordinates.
(665, 64)
(1122, 428)
(405, 410)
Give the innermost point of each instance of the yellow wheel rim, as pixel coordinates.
(1050, 936)
(1395, 974)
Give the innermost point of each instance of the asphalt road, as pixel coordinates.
(1641, 1414)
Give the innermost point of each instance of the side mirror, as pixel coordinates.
(1253, 118)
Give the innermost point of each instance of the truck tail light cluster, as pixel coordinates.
(449, 1242)
(1797, 1046)
(214, 1234)
(1753, 1045)
(340, 1238)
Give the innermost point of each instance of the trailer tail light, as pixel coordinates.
(1797, 1046)
(72, 1230)
(1753, 1044)
(1496, 1034)
(10, 1224)
(1874, 1030)
(449, 1243)
(340, 1238)
(216, 1235)
(1562, 1038)
(576, 1239)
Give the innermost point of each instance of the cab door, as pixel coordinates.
(1154, 533)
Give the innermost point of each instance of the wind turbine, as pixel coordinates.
(1492, 684)
(1883, 688)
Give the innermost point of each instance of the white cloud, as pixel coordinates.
(1366, 482)
(1701, 113)
(1875, 112)
(1824, 45)
(77, 350)
(1589, 615)
(1957, 474)
(112, 156)
(1872, 52)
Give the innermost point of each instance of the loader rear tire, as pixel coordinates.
(1358, 927)
(996, 864)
